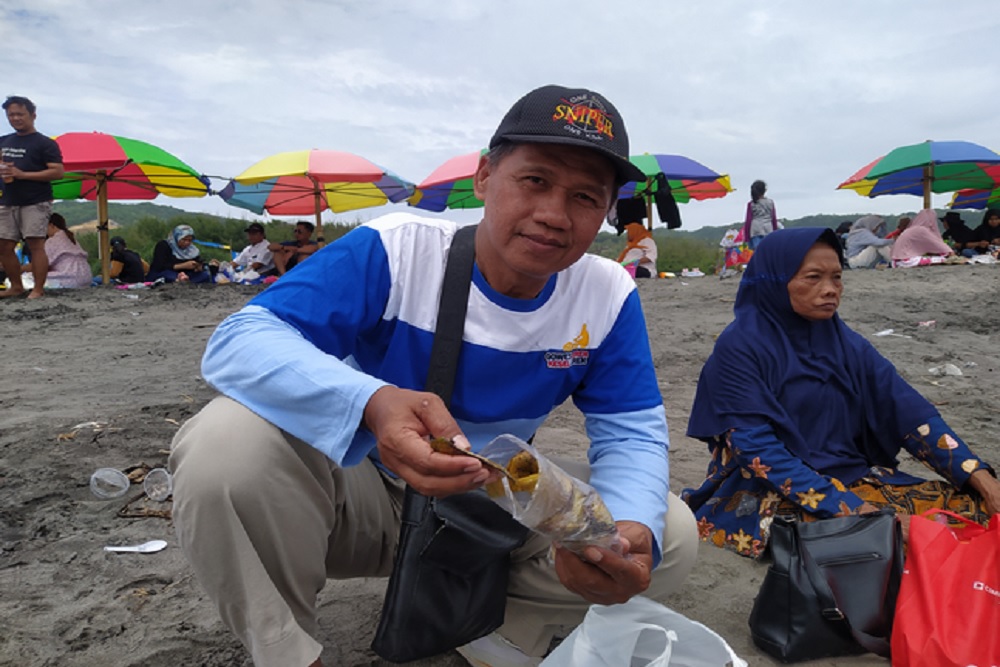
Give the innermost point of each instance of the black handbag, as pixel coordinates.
(449, 578)
(831, 588)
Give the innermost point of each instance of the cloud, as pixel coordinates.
(800, 94)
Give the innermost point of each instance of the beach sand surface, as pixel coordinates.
(104, 378)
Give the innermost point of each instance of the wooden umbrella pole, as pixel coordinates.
(103, 242)
(317, 194)
(928, 177)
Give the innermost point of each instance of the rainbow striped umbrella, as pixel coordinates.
(976, 198)
(312, 181)
(100, 167)
(686, 179)
(931, 166)
(450, 185)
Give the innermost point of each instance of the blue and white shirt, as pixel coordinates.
(308, 353)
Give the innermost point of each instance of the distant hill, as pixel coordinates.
(126, 215)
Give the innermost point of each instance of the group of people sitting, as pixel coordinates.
(175, 259)
(178, 259)
(919, 241)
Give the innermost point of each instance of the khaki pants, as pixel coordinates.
(265, 519)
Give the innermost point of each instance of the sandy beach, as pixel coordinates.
(104, 377)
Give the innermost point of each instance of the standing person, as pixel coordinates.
(640, 247)
(67, 261)
(803, 416)
(327, 443)
(761, 218)
(288, 254)
(257, 256)
(177, 259)
(29, 162)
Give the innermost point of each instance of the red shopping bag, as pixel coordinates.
(948, 610)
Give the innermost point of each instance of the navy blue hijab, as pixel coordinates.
(830, 397)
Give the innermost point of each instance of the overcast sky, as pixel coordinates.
(798, 93)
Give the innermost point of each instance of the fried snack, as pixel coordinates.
(447, 446)
(547, 499)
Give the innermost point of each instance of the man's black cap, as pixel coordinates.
(570, 116)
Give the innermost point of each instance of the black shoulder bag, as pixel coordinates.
(449, 579)
(831, 589)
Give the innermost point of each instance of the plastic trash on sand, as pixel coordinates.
(547, 499)
(946, 369)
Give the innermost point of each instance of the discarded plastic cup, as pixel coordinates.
(158, 484)
(108, 483)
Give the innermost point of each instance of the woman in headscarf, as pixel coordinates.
(920, 243)
(866, 247)
(641, 248)
(68, 265)
(761, 218)
(963, 239)
(176, 259)
(988, 231)
(803, 416)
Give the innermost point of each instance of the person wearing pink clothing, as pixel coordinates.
(68, 265)
(920, 243)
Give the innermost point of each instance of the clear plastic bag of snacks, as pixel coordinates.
(547, 499)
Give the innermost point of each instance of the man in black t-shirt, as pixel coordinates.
(29, 162)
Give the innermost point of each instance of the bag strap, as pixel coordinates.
(829, 606)
(451, 314)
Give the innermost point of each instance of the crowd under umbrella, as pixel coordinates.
(308, 182)
(930, 166)
(101, 167)
(672, 179)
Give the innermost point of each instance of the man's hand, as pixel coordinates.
(602, 576)
(402, 422)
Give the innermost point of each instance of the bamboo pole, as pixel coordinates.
(318, 198)
(103, 242)
(928, 178)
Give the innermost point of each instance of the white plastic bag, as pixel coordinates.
(641, 633)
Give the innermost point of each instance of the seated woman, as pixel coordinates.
(803, 416)
(68, 264)
(176, 259)
(866, 248)
(988, 231)
(963, 239)
(920, 243)
(642, 248)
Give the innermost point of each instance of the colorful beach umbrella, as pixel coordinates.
(100, 167)
(976, 199)
(920, 169)
(685, 178)
(308, 182)
(450, 185)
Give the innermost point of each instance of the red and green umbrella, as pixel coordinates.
(450, 185)
(309, 182)
(931, 166)
(100, 167)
